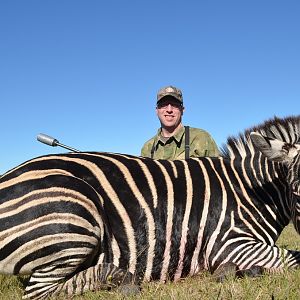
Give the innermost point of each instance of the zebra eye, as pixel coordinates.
(286, 147)
(296, 188)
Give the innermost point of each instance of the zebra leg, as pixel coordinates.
(47, 278)
(272, 260)
(100, 277)
(103, 276)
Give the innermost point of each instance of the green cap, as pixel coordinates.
(170, 91)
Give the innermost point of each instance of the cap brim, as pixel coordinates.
(169, 95)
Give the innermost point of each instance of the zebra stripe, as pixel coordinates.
(206, 202)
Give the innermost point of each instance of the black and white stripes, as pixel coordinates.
(82, 221)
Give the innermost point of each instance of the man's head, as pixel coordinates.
(169, 108)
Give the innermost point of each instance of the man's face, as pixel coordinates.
(169, 112)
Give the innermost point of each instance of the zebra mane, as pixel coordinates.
(284, 129)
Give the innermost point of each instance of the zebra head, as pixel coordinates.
(288, 154)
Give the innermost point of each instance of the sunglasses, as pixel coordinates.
(165, 104)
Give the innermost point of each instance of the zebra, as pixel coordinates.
(85, 221)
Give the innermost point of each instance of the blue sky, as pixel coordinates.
(87, 72)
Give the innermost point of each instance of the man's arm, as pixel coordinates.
(146, 149)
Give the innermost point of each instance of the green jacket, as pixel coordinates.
(201, 144)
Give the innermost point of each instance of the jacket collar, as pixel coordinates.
(177, 136)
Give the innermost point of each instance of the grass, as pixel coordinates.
(203, 286)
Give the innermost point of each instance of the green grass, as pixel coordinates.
(203, 286)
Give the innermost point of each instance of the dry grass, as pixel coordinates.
(276, 286)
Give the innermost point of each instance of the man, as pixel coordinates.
(173, 140)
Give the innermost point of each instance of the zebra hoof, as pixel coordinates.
(252, 272)
(129, 289)
(225, 271)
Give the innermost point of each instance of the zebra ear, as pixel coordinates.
(272, 148)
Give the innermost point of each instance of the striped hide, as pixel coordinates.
(90, 220)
